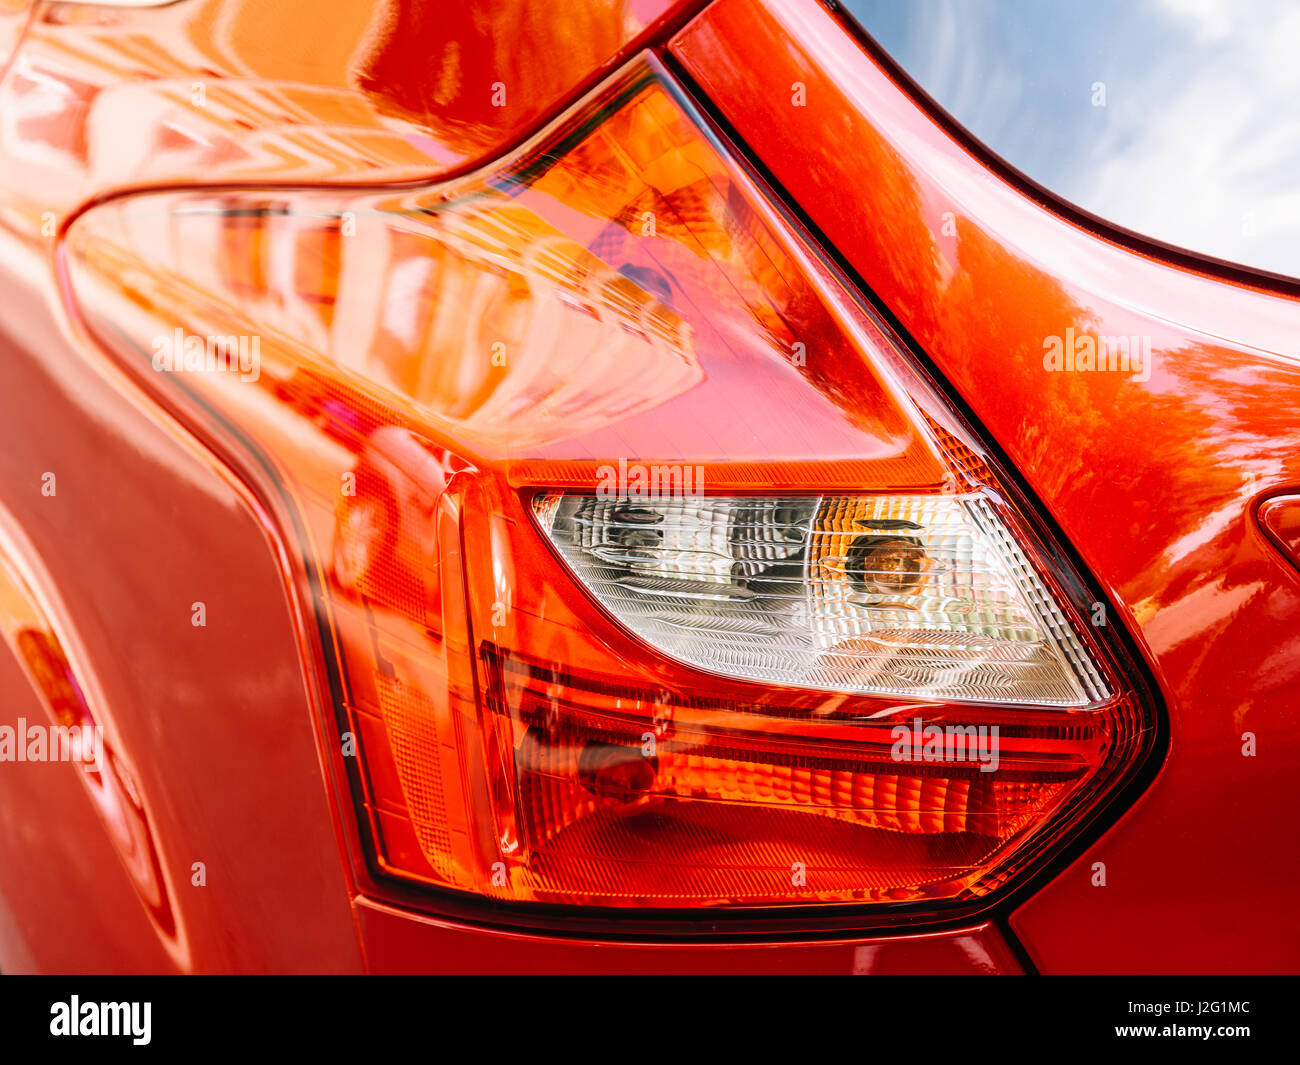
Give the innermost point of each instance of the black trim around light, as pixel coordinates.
(775, 924)
(1069, 563)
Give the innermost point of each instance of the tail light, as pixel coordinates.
(650, 571)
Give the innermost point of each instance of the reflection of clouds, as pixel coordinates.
(1200, 135)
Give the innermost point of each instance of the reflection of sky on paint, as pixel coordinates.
(1199, 142)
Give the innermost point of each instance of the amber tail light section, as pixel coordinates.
(649, 570)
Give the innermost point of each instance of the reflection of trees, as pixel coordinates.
(879, 221)
(996, 311)
(1165, 466)
(1073, 430)
(1226, 401)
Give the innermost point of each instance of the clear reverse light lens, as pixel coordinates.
(912, 595)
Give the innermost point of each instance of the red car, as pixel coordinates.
(644, 486)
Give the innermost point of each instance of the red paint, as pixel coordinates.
(583, 382)
(1152, 481)
(1279, 516)
(289, 91)
(217, 721)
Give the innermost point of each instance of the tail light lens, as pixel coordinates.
(910, 595)
(649, 570)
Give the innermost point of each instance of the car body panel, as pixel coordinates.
(1152, 481)
(219, 724)
(212, 720)
(214, 723)
(288, 91)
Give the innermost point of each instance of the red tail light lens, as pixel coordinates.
(650, 571)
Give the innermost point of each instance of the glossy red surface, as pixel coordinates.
(1152, 480)
(279, 91)
(1279, 516)
(234, 794)
(603, 371)
(212, 721)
